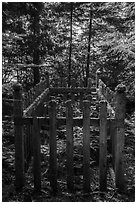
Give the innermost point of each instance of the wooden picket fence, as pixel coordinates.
(28, 144)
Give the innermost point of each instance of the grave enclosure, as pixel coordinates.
(29, 118)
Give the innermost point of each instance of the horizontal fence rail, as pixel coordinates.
(62, 90)
(61, 121)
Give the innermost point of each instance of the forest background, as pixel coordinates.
(70, 39)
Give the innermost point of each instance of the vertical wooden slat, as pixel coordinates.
(97, 78)
(120, 137)
(113, 141)
(19, 137)
(86, 146)
(29, 142)
(53, 147)
(36, 154)
(31, 139)
(69, 148)
(103, 146)
(27, 146)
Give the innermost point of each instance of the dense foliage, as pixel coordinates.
(71, 38)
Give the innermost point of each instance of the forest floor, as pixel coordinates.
(9, 194)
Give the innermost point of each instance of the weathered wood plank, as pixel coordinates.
(69, 147)
(36, 154)
(27, 145)
(19, 138)
(103, 147)
(62, 90)
(60, 121)
(98, 73)
(86, 146)
(113, 141)
(120, 137)
(53, 147)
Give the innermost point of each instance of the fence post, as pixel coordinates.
(86, 146)
(27, 146)
(69, 148)
(113, 141)
(36, 154)
(53, 147)
(19, 138)
(120, 136)
(98, 72)
(103, 146)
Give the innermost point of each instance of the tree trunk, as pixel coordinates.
(70, 50)
(36, 54)
(88, 55)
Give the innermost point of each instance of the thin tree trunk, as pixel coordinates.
(36, 54)
(70, 50)
(89, 40)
